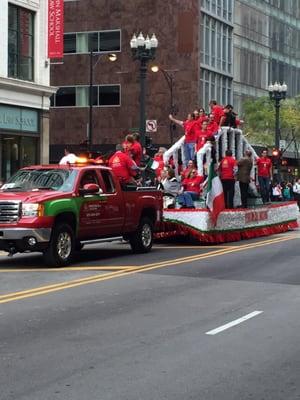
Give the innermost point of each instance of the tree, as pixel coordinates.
(259, 116)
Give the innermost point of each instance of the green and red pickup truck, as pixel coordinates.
(56, 209)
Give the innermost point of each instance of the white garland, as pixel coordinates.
(234, 220)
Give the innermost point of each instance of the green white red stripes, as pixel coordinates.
(215, 196)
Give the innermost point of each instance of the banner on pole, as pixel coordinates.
(55, 28)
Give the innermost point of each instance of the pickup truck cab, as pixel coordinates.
(56, 209)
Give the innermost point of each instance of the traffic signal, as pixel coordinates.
(148, 141)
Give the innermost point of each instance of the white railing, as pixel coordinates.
(226, 138)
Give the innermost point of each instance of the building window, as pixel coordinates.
(217, 44)
(99, 42)
(78, 96)
(20, 43)
(109, 95)
(215, 87)
(65, 97)
(70, 43)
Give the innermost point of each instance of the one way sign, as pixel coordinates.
(151, 125)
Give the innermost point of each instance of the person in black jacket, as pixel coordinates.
(229, 117)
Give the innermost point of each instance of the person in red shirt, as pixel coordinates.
(127, 144)
(190, 135)
(212, 126)
(227, 171)
(264, 172)
(217, 110)
(200, 116)
(159, 157)
(123, 166)
(203, 134)
(191, 189)
(188, 169)
(136, 149)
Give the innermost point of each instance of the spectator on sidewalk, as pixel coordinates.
(296, 192)
(276, 191)
(245, 165)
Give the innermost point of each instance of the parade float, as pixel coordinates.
(235, 224)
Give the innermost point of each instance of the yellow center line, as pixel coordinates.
(147, 267)
(199, 247)
(66, 269)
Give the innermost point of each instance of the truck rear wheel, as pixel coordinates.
(61, 247)
(141, 240)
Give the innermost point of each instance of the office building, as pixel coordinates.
(24, 85)
(226, 50)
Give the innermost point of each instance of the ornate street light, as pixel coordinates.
(111, 57)
(277, 92)
(169, 77)
(143, 50)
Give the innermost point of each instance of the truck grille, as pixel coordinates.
(9, 211)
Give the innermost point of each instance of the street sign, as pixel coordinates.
(282, 144)
(151, 125)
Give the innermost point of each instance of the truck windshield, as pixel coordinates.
(41, 179)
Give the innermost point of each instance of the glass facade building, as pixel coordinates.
(246, 45)
(216, 51)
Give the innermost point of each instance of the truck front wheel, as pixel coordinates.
(141, 240)
(61, 247)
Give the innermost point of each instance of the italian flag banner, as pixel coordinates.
(215, 196)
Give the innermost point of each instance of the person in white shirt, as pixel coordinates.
(69, 158)
(296, 191)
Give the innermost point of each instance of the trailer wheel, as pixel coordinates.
(141, 240)
(61, 247)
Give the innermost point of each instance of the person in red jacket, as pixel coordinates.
(191, 189)
(217, 110)
(212, 126)
(264, 172)
(188, 169)
(123, 166)
(190, 133)
(202, 136)
(200, 116)
(227, 171)
(136, 149)
(159, 158)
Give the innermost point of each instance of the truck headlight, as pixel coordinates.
(32, 210)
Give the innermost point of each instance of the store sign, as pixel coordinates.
(55, 28)
(18, 119)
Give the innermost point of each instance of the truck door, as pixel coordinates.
(113, 218)
(91, 208)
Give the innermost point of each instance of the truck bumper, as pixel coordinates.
(24, 239)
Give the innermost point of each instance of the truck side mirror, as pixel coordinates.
(90, 188)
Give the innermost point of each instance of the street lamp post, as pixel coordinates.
(277, 92)
(143, 50)
(170, 81)
(111, 57)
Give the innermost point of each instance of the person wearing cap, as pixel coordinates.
(123, 166)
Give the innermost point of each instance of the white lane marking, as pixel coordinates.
(233, 323)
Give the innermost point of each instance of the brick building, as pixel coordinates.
(107, 26)
(213, 49)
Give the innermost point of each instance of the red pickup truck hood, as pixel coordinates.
(32, 196)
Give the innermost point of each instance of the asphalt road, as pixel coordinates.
(183, 322)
